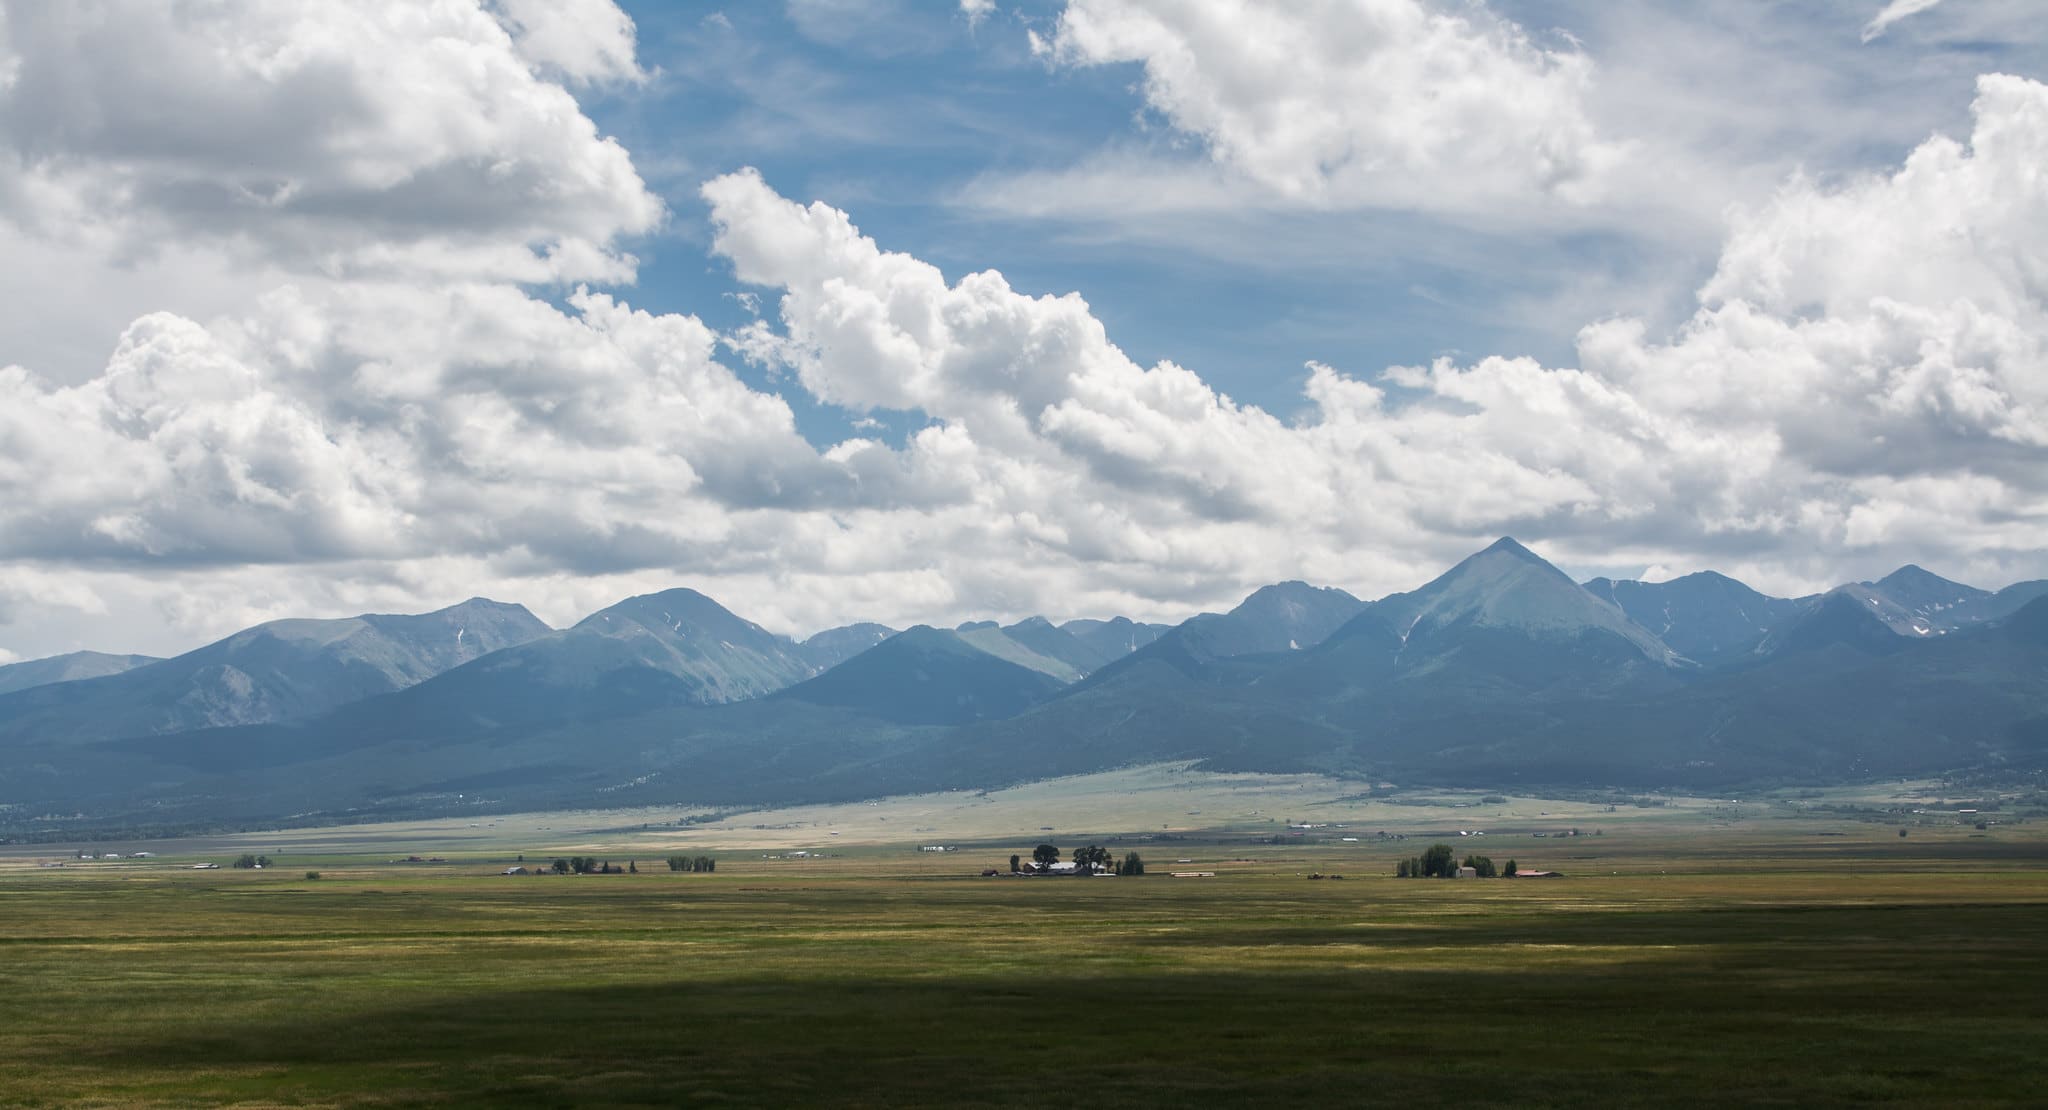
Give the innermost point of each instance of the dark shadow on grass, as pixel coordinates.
(1684, 1031)
(1777, 931)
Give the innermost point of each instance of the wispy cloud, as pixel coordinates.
(1892, 13)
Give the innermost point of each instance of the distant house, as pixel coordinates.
(206, 867)
(1193, 874)
(1536, 875)
(515, 871)
(1063, 867)
(1467, 873)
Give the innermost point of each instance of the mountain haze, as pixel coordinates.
(277, 671)
(676, 647)
(1113, 639)
(834, 646)
(1500, 671)
(1706, 617)
(67, 668)
(928, 676)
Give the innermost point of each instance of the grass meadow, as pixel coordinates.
(1775, 962)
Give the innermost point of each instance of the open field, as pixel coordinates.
(1698, 954)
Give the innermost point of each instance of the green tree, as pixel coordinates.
(1510, 869)
(561, 867)
(1481, 866)
(1134, 864)
(1401, 870)
(632, 867)
(1436, 862)
(1044, 856)
(1016, 863)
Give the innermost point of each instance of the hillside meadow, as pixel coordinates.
(1699, 952)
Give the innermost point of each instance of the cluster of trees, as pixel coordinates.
(590, 865)
(1439, 863)
(692, 863)
(1087, 861)
(245, 860)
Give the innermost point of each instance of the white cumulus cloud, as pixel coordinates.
(1862, 382)
(341, 138)
(389, 419)
(1398, 103)
(585, 41)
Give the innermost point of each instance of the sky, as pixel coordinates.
(934, 310)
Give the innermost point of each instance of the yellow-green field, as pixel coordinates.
(1697, 953)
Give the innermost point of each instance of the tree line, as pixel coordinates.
(1091, 860)
(1439, 862)
(692, 863)
(591, 865)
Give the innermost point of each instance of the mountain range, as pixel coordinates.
(1501, 671)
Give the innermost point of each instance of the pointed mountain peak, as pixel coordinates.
(1509, 586)
(1502, 557)
(1842, 616)
(1911, 584)
(678, 614)
(1508, 545)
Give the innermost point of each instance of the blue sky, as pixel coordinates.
(896, 112)
(922, 311)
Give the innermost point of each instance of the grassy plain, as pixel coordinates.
(1699, 953)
